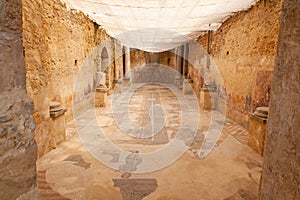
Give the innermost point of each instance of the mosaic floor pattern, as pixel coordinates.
(231, 171)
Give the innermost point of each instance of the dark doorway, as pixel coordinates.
(124, 60)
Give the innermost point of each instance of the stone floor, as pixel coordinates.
(73, 170)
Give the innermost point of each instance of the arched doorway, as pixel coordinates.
(105, 67)
(104, 59)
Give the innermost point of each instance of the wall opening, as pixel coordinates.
(124, 60)
(104, 60)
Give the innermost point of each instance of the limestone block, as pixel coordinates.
(208, 99)
(187, 87)
(257, 129)
(126, 81)
(101, 97)
(57, 123)
(58, 129)
(118, 86)
(101, 78)
(178, 81)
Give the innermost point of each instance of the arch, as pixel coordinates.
(104, 59)
(105, 68)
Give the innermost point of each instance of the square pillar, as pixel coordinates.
(187, 86)
(257, 129)
(101, 96)
(208, 98)
(118, 86)
(57, 123)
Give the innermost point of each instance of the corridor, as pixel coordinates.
(231, 171)
(149, 100)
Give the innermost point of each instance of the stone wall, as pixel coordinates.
(143, 63)
(243, 50)
(168, 58)
(59, 43)
(281, 166)
(137, 58)
(18, 151)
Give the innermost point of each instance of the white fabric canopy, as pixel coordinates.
(158, 25)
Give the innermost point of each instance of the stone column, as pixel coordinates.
(208, 98)
(179, 62)
(281, 165)
(187, 86)
(118, 59)
(179, 58)
(18, 151)
(257, 128)
(57, 123)
(127, 59)
(101, 96)
(185, 61)
(127, 77)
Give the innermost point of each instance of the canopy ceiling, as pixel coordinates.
(158, 25)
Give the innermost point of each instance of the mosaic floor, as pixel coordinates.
(71, 171)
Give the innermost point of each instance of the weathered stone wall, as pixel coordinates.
(137, 58)
(142, 63)
(18, 151)
(168, 58)
(281, 166)
(58, 45)
(243, 49)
